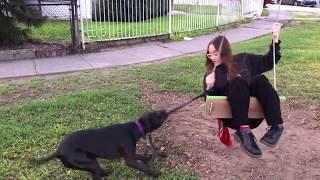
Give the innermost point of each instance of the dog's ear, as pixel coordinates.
(153, 120)
(163, 115)
(146, 125)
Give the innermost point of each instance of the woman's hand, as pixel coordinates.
(210, 79)
(276, 28)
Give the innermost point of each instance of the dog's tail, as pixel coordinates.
(42, 160)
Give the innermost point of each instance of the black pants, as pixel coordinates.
(239, 91)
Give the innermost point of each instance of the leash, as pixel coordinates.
(184, 104)
(156, 152)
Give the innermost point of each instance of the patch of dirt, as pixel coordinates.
(190, 139)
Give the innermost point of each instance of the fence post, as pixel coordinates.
(39, 6)
(75, 33)
(241, 11)
(218, 14)
(170, 16)
(82, 40)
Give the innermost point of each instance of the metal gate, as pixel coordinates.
(105, 20)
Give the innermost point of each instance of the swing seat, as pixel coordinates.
(218, 107)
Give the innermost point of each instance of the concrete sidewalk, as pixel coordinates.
(139, 54)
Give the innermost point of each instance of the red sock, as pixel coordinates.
(245, 128)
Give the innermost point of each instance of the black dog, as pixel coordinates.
(80, 149)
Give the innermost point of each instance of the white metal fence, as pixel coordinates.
(252, 7)
(104, 20)
(189, 15)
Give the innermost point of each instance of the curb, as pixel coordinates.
(45, 51)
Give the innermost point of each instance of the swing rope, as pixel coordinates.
(274, 54)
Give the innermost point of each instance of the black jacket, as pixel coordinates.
(248, 65)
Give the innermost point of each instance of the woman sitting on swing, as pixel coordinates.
(238, 77)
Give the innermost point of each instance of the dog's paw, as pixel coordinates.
(161, 152)
(155, 173)
(163, 155)
(104, 173)
(34, 162)
(148, 157)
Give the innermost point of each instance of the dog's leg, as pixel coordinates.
(91, 166)
(84, 161)
(155, 150)
(140, 165)
(103, 172)
(143, 157)
(149, 146)
(131, 161)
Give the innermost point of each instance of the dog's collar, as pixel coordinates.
(140, 127)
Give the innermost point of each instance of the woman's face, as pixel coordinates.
(214, 55)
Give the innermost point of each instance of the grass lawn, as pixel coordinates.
(52, 31)
(35, 127)
(300, 14)
(196, 9)
(265, 12)
(36, 114)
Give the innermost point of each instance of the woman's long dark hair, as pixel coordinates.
(222, 44)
